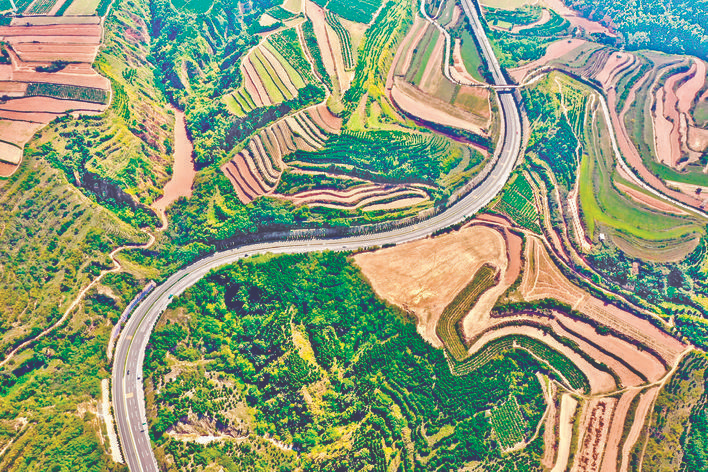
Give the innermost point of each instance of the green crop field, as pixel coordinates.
(361, 11)
(68, 92)
(272, 82)
(470, 55)
(518, 203)
(447, 327)
(344, 39)
(39, 7)
(288, 45)
(508, 423)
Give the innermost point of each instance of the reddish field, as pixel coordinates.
(256, 169)
(594, 430)
(39, 45)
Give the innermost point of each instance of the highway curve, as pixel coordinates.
(127, 386)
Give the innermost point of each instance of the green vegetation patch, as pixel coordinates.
(298, 349)
(383, 156)
(508, 423)
(361, 11)
(68, 92)
(344, 39)
(448, 327)
(673, 26)
(518, 203)
(39, 7)
(471, 56)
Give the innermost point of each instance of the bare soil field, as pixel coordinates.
(423, 277)
(544, 280)
(49, 105)
(35, 42)
(614, 65)
(567, 413)
(619, 422)
(697, 139)
(18, 132)
(9, 153)
(634, 160)
(255, 170)
(645, 402)
(55, 20)
(594, 431)
(31, 52)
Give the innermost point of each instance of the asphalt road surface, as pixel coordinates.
(127, 384)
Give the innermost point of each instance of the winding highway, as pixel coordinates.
(127, 381)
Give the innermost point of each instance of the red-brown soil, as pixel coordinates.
(619, 420)
(595, 429)
(31, 52)
(261, 161)
(687, 92)
(29, 117)
(645, 402)
(183, 173)
(614, 65)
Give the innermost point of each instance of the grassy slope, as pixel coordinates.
(131, 144)
(54, 241)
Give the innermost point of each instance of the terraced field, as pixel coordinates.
(268, 77)
(256, 169)
(48, 75)
(586, 345)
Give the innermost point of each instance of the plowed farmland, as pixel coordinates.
(49, 75)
